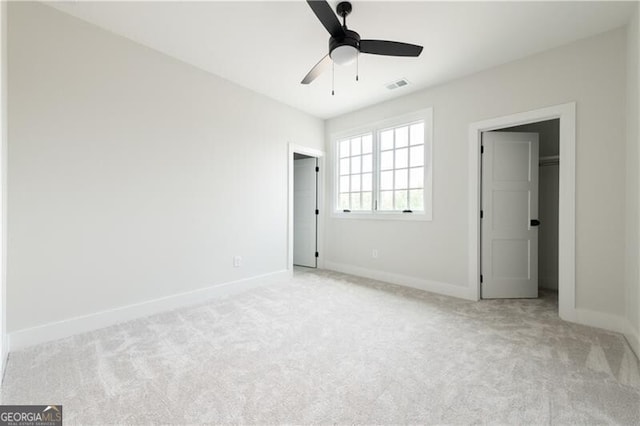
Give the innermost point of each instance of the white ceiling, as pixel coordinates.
(269, 46)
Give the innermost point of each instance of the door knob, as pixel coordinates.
(535, 222)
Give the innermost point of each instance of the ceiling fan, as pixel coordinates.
(345, 44)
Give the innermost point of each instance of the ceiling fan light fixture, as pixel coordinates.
(344, 55)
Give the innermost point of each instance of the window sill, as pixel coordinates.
(424, 217)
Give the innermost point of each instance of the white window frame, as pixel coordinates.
(425, 115)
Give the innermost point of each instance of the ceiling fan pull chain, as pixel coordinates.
(333, 78)
(357, 66)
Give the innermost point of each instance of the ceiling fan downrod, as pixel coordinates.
(344, 8)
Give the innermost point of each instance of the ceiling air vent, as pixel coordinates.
(396, 84)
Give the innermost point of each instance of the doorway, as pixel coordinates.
(519, 216)
(308, 229)
(566, 113)
(305, 210)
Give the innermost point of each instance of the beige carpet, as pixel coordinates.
(329, 348)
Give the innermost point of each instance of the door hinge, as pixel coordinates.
(480, 278)
(481, 149)
(317, 211)
(317, 254)
(317, 169)
(481, 214)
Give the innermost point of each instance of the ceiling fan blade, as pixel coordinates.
(389, 48)
(318, 69)
(327, 18)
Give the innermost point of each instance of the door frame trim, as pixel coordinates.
(320, 155)
(567, 197)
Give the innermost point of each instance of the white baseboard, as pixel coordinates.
(403, 280)
(82, 324)
(590, 318)
(633, 337)
(596, 319)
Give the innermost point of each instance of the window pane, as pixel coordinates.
(355, 201)
(416, 199)
(386, 160)
(344, 148)
(367, 144)
(417, 134)
(386, 180)
(401, 200)
(367, 163)
(344, 183)
(402, 158)
(386, 200)
(401, 179)
(366, 201)
(355, 164)
(367, 184)
(416, 177)
(417, 155)
(386, 140)
(344, 166)
(355, 146)
(355, 182)
(344, 201)
(402, 137)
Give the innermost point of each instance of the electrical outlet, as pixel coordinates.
(374, 253)
(237, 261)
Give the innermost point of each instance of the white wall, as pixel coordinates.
(590, 72)
(634, 113)
(632, 276)
(3, 185)
(134, 176)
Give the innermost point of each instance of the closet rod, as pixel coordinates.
(550, 160)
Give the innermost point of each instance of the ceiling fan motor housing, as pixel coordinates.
(344, 50)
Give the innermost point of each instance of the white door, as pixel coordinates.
(304, 212)
(509, 215)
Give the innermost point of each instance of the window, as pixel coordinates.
(384, 171)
